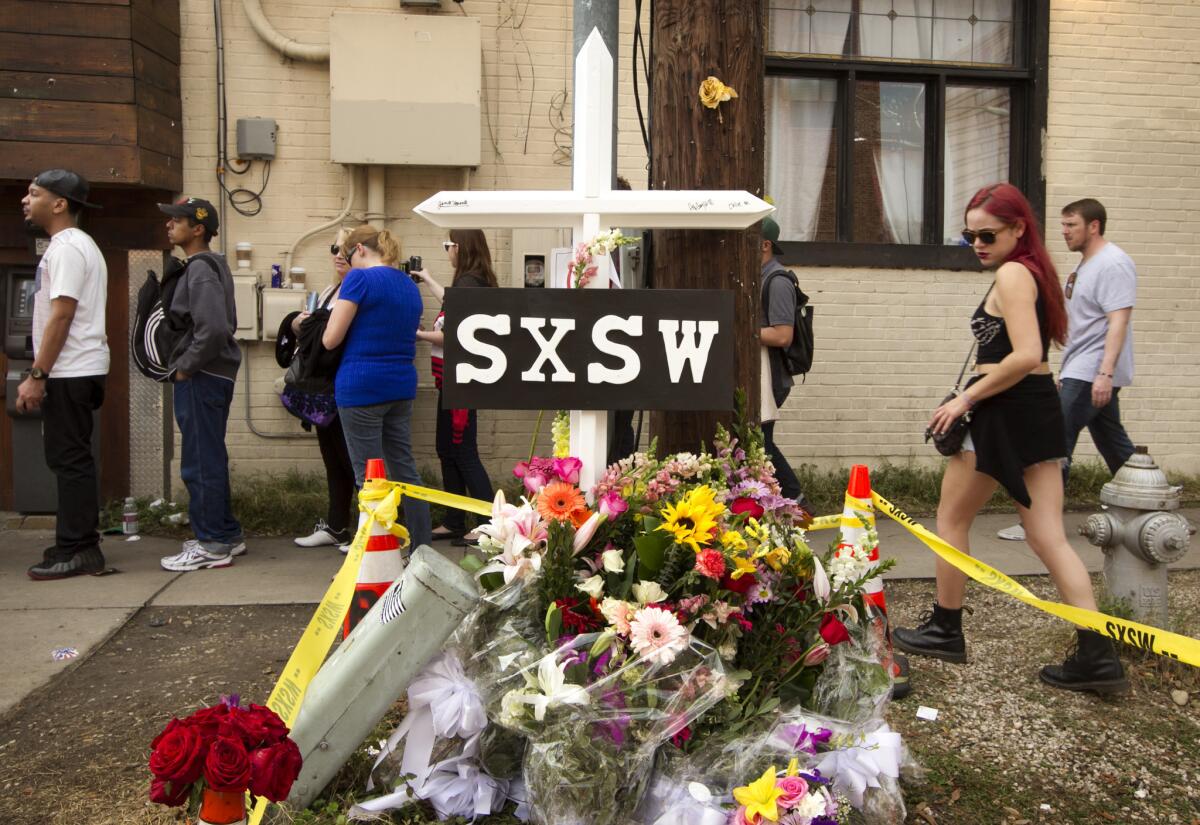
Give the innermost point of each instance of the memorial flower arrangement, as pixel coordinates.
(629, 644)
(209, 759)
(583, 265)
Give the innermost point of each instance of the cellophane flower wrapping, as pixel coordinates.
(675, 616)
(603, 719)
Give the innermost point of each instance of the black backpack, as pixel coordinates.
(797, 357)
(156, 330)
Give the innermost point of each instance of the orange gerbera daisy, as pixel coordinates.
(559, 501)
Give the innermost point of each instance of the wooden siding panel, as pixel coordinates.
(64, 121)
(73, 55)
(159, 133)
(44, 17)
(155, 70)
(152, 34)
(99, 164)
(44, 86)
(158, 100)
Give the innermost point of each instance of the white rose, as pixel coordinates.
(614, 561)
(594, 586)
(649, 592)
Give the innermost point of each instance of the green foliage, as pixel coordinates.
(558, 573)
(651, 546)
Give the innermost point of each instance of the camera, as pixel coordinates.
(414, 265)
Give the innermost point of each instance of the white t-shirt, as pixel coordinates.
(74, 268)
(1104, 283)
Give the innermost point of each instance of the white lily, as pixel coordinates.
(821, 587)
(554, 688)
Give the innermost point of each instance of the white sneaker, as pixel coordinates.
(238, 548)
(195, 557)
(1014, 533)
(321, 536)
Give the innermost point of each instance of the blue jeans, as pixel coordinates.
(202, 410)
(1104, 423)
(385, 431)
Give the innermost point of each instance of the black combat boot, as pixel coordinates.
(1092, 665)
(939, 635)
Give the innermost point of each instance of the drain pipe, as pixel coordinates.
(376, 195)
(351, 192)
(286, 46)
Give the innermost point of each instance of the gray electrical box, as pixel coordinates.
(256, 138)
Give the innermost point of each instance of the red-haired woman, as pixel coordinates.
(1016, 439)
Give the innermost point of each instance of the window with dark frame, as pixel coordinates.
(884, 116)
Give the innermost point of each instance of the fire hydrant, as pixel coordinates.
(1138, 536)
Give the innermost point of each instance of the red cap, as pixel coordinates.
(375, 469)
(860, 482)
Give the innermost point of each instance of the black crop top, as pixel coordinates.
(992, 333)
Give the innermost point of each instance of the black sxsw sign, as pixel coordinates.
(589, 349)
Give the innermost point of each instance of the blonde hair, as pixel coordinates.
(378, 240)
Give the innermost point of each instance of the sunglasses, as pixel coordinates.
(335, 250)
(348, 252)
(448, 245)
(988, 236)
(1070, 285)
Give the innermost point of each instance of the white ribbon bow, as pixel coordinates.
(855, 769)
(442, 703)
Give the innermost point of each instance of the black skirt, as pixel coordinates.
(1018, 428)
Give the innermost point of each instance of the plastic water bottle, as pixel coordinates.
(129, 518)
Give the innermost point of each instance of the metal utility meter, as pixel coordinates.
(35, 489)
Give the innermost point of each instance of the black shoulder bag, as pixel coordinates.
(950, 442)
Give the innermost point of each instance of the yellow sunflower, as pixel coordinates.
(693, 521)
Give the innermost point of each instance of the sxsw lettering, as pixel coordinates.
(1130, 636)
(588, 349)
(685, 343)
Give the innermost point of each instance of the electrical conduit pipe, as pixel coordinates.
(286, 46)
(351, 175)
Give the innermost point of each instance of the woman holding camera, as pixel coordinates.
(377, 314)
(457, 430)
(1016, 438)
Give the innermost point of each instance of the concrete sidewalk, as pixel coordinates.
(83, 612)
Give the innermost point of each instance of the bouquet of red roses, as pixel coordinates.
(226, 748)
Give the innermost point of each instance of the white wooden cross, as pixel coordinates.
(590, 206)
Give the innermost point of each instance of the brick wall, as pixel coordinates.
(889, 342)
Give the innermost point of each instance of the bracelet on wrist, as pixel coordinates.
(1105, 374)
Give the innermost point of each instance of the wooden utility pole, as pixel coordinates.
(694, 147)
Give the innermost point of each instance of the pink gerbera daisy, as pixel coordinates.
(657, 635)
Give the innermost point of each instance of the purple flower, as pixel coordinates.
(800, 738)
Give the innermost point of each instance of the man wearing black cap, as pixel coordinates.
(776, 330)
(70, 363)
(205, 365)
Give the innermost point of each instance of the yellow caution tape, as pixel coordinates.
(1144, 637)
(471, 505)
(310, 652)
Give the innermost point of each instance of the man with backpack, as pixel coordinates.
(781, 302)
(70, 364)
(203, 366)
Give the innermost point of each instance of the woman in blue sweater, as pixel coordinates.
(377, 314)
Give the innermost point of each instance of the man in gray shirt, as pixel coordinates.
(205, 367)
(1098, 360)
(775, 331)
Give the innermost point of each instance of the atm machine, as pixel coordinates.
(35, 489)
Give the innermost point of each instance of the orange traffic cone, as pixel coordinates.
(382, 562)
(856, 511)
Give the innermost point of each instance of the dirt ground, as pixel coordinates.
(1004, 749)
